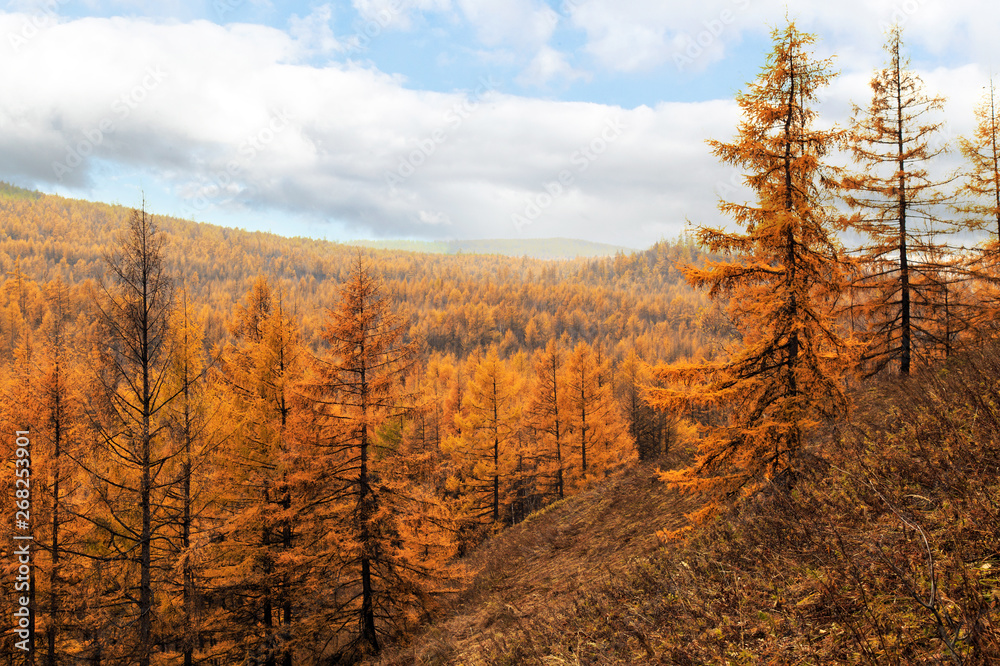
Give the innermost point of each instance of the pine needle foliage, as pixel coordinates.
(980, 201)
(375, 539)
(905, 291)
(982, 177)
(781, 275)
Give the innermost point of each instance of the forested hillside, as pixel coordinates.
(885, 553)
(243, 445)
(237, 448)
(548, 248)
(457, 303)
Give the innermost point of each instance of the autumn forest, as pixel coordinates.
(251, 449)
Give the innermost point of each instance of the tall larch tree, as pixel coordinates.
(369, 574)
(652, 431)
(487, 444)
(195, 435)
(547, 414)
(259, 371)
(128, 458)
(784, 376)
(596, 430)
(979, 200)
(904, 272)
(59, 372)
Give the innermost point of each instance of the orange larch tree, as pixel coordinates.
(60, 368)
(195, 422)
(980, 193)
(784, 377)
(371, 551)
(259, 372)
(487, 444)
(652, 431)
(595, 426)
(127, 462)
(547, 414)
(906, 293)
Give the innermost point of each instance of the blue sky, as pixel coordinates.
(430, 119)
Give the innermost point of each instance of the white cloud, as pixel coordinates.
(643, 34)
(524, 23)
(235, 117)
(314, 32)
(397, 14)
(549, 65)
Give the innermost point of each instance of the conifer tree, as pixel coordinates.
(904, 291)
(260, 371)
(982, 178)
(783, 377)
(596, 430)
(194, 434)
(487, 445)
(61, 483)
(648, 428)
(371, 555)
(548, 415)
(980, 202)
(127, 461)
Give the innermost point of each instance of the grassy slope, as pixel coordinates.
(533, 578)
(887, 551)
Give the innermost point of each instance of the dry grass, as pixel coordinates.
(535, 579)
(885, 552)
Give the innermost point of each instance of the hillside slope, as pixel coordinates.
(535, 580)
(457, 303)
(885, 551)
(535, 248)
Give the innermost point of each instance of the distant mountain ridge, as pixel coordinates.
(535, 248)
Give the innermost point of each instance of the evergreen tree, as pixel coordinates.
(259, 372)
(59, 369)
(596, 430)
(784, 377)
(487, 445)
(548, 415)
(195, 434)
(980, 192)
(904, 291)
(127, 461)
(371, 556)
